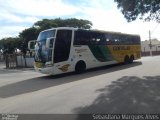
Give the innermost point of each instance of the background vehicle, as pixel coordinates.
(61, 50)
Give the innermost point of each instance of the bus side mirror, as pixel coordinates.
(49, 43)
(31, 44)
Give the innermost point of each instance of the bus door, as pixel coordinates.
(62, 50)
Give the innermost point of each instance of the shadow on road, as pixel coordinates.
(127, 95)
(38, 83)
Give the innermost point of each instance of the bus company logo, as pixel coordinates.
(64, 68)
(117, 48)
(80, 50)
(38, 64)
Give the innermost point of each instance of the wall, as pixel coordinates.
(145, 47)
(21, 62)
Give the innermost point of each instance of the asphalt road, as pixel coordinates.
(133, 88)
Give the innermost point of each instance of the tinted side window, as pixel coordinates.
(136, 40)
(112, 39)
(130, 40)
(121, 39)
(62, 45)
(81, 38)
(89, 37)
(97, 38)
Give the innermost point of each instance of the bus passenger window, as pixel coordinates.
(62, 45)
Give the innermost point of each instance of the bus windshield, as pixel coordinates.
(46, 34)
(42, 54)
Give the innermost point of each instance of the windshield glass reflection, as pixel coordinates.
(42, 53)
(46, 34)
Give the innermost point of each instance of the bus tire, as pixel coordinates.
(131, 59)
(126, 59)
(80, 67)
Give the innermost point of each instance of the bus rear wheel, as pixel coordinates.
(131, 59)
(126, 59)
(80, 67)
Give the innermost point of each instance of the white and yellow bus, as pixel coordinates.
(66, 49)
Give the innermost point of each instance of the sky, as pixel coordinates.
(17, 15)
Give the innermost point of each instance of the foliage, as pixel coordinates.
(27, 35)
(51, 23)
(10, 44)
(143, 9)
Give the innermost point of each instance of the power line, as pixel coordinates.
(155, 28)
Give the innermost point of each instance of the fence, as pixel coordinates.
(10, 60)
(147, 53)
(1, 57)
(25, 62)
(18, 60)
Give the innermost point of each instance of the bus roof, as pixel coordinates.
(61, 28)
(92, 30)
(110, 32)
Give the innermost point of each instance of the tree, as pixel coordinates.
(32, 32)
(27, 35)
(45, 24)
(72, 22)
(84, 24)
(142, 9)
(9, 45)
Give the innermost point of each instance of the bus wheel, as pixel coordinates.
(126, 59)
(131, 59)
(80, 67)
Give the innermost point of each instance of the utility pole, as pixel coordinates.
(150, 43)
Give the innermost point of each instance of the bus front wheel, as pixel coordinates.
(80, 67)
